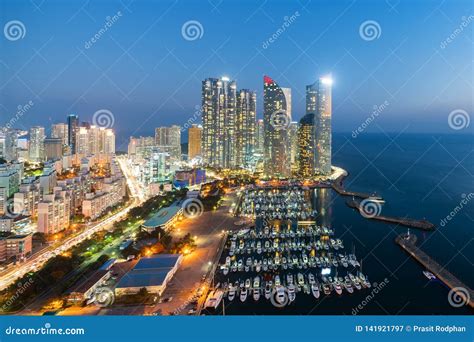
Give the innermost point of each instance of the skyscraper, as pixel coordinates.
(194, 141)
(8, 144)
(260, 137)
(293, 145)
(321, 89)
(306, 146)
(72, 127)
(60, 131)
(36, 145)
(218, 118)
(168, 139)
(276, 120)
(245, 127)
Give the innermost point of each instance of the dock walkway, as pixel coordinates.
(407, 242)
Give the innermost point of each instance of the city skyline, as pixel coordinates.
(154, 83)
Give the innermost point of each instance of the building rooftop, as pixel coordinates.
(150, 271)
(85, 285)
(162, 216)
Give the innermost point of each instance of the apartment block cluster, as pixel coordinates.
(42, 190)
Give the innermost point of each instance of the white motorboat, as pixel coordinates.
(300, 279)
(338, 287)
(247, 283)
(277, 280)
(243, 294)
(315, 290)
(213, 299)
(281, 296)
(311, 278)
(291, 292)
(232, 290)
(268, 289)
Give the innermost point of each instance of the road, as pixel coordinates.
(8, 276)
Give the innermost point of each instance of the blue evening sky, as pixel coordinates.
(147, 74)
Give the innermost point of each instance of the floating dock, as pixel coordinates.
(404, 221)
(407, 242)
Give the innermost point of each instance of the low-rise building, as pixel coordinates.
(152, 273)
(164, 218)
(85, 289)
(15, 247)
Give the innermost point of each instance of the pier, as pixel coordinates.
(339, 188)
(404, 221)
(407, 242)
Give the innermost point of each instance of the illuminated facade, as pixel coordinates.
(194, 141)
(168, 140)
(218, 120)
(306, 146)
(276, 120)
(320, 99)
(245, 127)
(36, 146)
(73, 127)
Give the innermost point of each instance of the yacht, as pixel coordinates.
(213, 299)
(268, 289)
(277, 280)
(256, 282)
(311, 278)
(247, 283)
(337, 287)
(232, 290)
(289, 278)
(243, 294)
(291, 292)
(225, 269)
(326, 288)
(348, 285)
(429, 275)
(281, 295)
(300, 279)
(315, 290)
(256, 294)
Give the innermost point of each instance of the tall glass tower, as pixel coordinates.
(72, 127)
(276, 121)
(245, 127)
(319, 99)
(218, 122)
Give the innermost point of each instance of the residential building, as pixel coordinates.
(245, 125)
(218, 118)
(60, 131)
(53, 148)
(194, 141)
(168, 139)
(277, 117)
(15, 247)
(72, 127)
(36, 145)
(54, 212)
(306, 146)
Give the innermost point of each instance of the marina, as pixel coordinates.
(289, 253)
